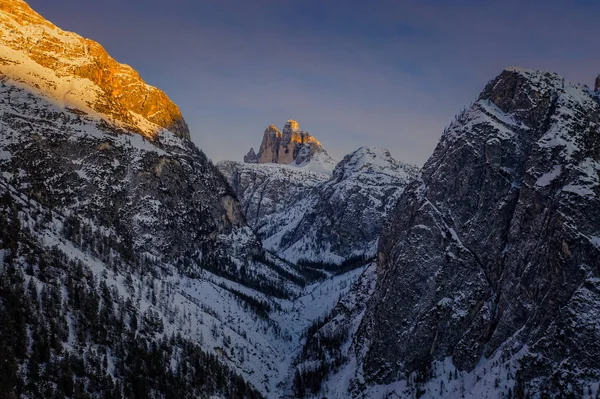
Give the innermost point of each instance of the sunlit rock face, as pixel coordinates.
(270, 146)
(74, 72)
(291, 145)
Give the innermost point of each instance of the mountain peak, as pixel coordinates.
(523, 159)
(524, 93)
(372, 160)
(597, 83)
(291, 126)
(272, 128)
(251, 156)
(74, 72)
(290, 146)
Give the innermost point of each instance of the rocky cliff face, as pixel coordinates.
(291, 146)
(304, 215)
(74, 72)
(93, 207)
(490, 261)
(100, 216)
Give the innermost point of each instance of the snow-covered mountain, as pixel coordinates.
(126, 266)
(291, 146)
(312, 218)
(488, 270)
(73, 72)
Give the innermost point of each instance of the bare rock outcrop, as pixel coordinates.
(289, 146)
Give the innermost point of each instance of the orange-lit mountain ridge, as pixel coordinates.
(77, 73)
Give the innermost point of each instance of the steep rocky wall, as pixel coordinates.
(495, 247)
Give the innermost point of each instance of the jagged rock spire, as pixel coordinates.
(251, 156)
(286, 146)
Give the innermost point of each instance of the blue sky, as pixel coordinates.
(383, 73)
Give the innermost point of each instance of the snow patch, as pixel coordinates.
(547, 178)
